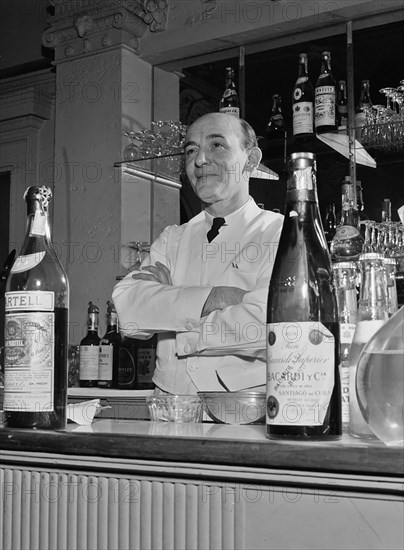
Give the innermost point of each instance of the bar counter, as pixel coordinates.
(208, 443)
(143, 484)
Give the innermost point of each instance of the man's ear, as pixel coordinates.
(254, 158)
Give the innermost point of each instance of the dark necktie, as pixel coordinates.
(214, 230)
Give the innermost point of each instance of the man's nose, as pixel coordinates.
(200, 158)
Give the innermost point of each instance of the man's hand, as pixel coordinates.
(158, 272)
(221, 297)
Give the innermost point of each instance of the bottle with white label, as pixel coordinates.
(372, 314)
(325, 97)
(36, 326)
(345, 277)
(303, 101)
(303, 339)
(90, 350)
(230, 102)
(109, 351)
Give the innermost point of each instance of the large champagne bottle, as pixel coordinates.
(303, 383)
(36, 326)
(230, 102)
(303, 102)
(89, 350)
(325, 97)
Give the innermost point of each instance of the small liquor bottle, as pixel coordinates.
(303, 398)
(36, 326)
(360, 111)
(345, 283)
(146, 362)
(90, 350)
(276, 131)
(127, 366)
(230, 102)
(330, 223)
(386, 211)
(342, 106)
(303, 102)
(109, 351)
(324, 97)
(347, 242)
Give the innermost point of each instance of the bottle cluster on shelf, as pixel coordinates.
(113, 361)
(368, 266)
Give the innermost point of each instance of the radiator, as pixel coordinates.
(49, 510)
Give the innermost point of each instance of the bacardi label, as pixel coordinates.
(300, 377)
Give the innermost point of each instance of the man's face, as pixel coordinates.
(215, 159)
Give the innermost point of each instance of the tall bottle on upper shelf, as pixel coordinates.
(36, 326)
(325, 97)
(303, 339)
(302, 104)
(230, 102)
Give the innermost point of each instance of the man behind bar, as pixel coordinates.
(204, 286)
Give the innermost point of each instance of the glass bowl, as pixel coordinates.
(175, 408)
(239, 407)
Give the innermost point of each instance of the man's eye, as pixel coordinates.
(190, 151)
(217, 145)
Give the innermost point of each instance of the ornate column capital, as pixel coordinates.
(81, 27)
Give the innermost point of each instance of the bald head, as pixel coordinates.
(239, 126)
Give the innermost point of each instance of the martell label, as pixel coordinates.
(300, 377)
(34, 300)
(29, 360)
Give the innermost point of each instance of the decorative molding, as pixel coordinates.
(26, 95)
(80, 27)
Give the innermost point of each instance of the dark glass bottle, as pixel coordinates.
(364, 104)
(342, 106)
(303, 344)
(275, 132)
(36, 326)
(347, 242)
(330, 223)
(146, 362)
(127, 364)
(324, 97)
(230, 102)
(303, 102)
(386, 211)
(90, 350)
(109, 351)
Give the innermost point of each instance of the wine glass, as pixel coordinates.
(131, 151)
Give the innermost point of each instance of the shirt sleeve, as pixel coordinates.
(147, 307)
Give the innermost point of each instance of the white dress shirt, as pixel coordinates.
(192, 352)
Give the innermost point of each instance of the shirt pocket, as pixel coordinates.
(243, 274)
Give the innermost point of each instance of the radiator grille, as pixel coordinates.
(46, 510)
